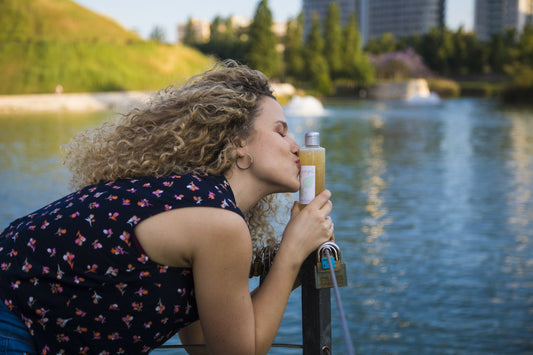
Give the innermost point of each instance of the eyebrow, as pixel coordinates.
(283, 124)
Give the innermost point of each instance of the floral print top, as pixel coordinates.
(76, 276)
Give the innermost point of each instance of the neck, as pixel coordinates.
(247, 192)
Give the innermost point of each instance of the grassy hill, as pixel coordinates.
(44, 43)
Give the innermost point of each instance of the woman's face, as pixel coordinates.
(276, 163)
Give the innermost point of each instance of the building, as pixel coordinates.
(377, 17)
(321, 8)
(495, 16)
(201, 29)
(404, 17)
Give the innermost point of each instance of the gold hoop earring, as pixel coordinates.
(249, 165)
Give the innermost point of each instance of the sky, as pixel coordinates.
(143, 16)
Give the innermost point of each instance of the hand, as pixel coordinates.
(307, 229)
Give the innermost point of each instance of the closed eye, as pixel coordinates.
(282, 128)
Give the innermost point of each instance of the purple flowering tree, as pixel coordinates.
(400, 65)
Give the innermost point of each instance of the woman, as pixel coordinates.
(173, 200)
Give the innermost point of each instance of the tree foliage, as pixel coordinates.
(158, 34)
(225, 41)
(333, 40)
(328, 54)
(293, 54)
(262, 50)
(355, 63)
(460, 53)
(190, 35)
(316, 64)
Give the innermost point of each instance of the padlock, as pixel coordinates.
(323, 277)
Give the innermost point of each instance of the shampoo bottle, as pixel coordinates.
(313, 168)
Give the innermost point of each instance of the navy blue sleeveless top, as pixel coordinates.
(76, 276)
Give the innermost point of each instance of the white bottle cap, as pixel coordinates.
(312, 139)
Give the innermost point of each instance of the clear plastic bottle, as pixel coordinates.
(313, 168)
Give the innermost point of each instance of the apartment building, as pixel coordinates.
(495, 16)
(376, 17)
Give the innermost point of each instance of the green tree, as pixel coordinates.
(384, 44)
(356, 65)
(437, 49)
(158, 34)
(497, 49)
(215, 30)
(224, 41)
(334, 41)
(458, 62)
(316, 65)
(190, 36)
(262, 51)
(525, 43)
(294, 48)
(476, 60)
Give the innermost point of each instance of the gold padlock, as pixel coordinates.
(323, 278)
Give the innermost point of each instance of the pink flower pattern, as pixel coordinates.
(75, 274)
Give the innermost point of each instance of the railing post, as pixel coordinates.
(316, 312)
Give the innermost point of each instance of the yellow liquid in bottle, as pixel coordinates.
(315, 156)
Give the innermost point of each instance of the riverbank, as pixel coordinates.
(80, 102)
(90, 102)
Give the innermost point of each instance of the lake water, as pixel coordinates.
(433, 212)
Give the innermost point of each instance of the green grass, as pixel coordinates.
(481, 88)
(445, 88)
(44, 43)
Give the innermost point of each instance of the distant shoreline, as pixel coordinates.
(90, 102)
(81, 102)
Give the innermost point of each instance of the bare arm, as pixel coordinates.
(232, 320)
(217, 245)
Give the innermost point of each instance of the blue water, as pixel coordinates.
(433, 211)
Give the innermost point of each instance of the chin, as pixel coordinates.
(296, 187)
(289, 188)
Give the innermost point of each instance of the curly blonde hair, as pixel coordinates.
(193, 128)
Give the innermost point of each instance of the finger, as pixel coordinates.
(327, 208)
(296, 209)
(328, 226)
(321, 199)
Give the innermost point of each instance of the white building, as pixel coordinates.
(201, 30)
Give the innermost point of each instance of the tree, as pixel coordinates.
(384, 44)
(262, 51)
(525, 43)
(437, 49)
(477, 55)
(224, 41)
(355, 63)
(294, 48)
(334, 40)
(158, 34)
(497, 52)
(190, 36)
(316, 64)
(459, 60)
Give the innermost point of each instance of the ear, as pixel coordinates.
(241, 151)
(241, 145)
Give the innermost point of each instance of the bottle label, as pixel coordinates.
(307, 183)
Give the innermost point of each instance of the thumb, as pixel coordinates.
(295, 209)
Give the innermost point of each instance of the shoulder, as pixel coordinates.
(177, 236)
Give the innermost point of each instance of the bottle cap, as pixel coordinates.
(312, 138)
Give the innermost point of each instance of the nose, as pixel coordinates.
(294, 146)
